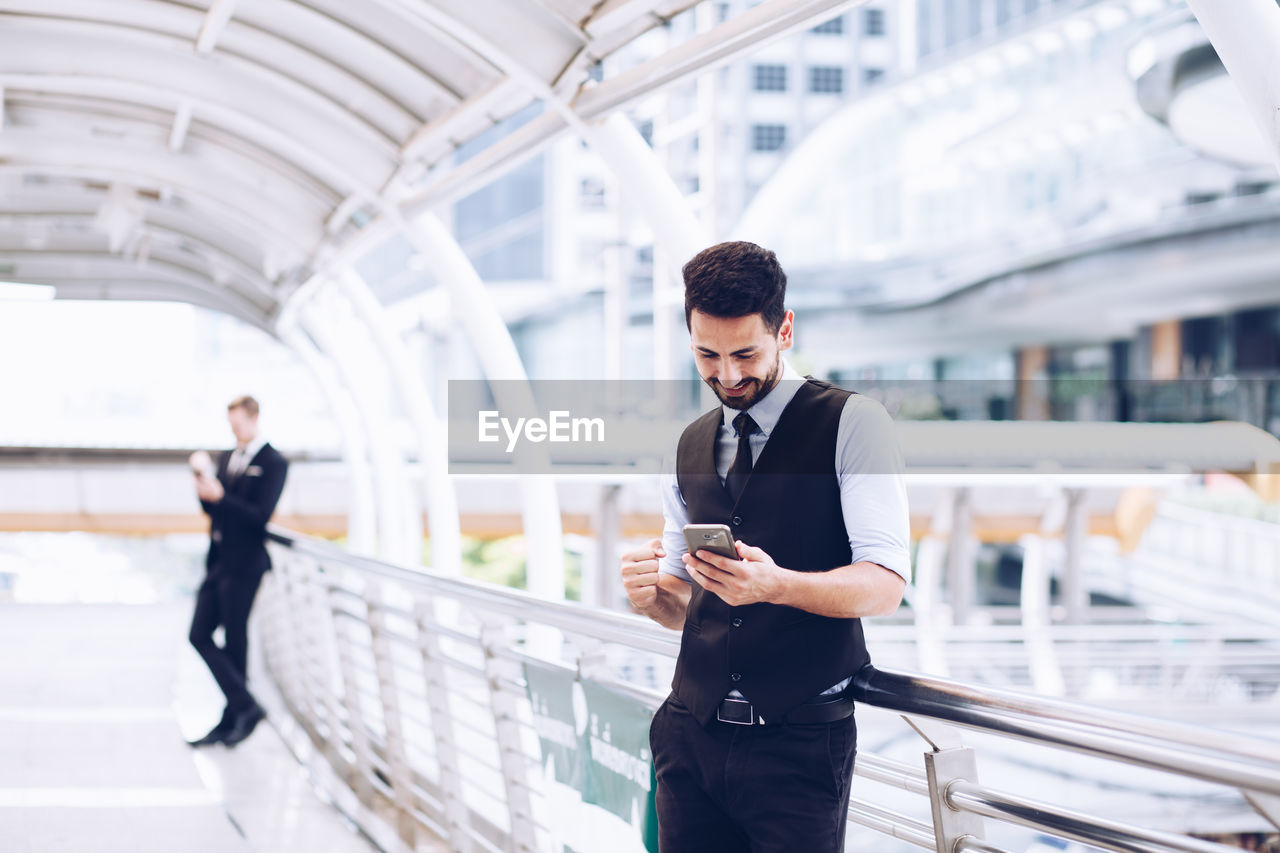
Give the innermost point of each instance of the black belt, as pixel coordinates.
(740, 712)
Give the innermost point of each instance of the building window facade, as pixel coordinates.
(873, 22)
(871, 76)
(826, 79)
(768, 137)
(833, 27)
(770, 78)
(924, 27)
(591, 193)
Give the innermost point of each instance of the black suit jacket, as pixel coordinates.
(238, 522)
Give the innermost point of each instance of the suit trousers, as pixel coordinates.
(725, 788)
(226, 600)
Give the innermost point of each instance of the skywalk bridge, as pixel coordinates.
(416, 690)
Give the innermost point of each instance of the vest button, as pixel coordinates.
(735, 676)
(737, 623)
(737, 519)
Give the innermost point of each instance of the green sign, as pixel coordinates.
(551, 694)
(596, 759)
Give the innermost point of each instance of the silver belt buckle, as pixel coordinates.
(750, 712)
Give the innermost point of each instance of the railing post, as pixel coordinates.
(948, 761)
(268, 619)
(1075, 532)
(511, 755)
(457, 816)
(361, 781)
(943, 767)
(397, 750)
(293, 679)
(313, 607)
(960, 558)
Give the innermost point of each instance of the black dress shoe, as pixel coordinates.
(245, 722)
(215, 735)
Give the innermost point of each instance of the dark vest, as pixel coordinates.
(777, 656)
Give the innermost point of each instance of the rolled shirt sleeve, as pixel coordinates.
(873, 492)
(676, 516)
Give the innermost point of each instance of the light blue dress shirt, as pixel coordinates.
(873, 494)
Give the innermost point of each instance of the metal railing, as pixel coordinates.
(410, 685)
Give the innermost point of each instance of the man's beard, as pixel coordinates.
(756, 388)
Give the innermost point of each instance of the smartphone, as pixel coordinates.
(715, 538)
(202, 465)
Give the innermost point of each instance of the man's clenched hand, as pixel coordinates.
(663, 598)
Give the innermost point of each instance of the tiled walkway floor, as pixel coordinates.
(95, 704)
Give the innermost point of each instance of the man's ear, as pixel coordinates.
(786, 331)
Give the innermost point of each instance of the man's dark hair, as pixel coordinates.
(734, 280)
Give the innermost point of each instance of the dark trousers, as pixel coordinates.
(226, 600)
(750, 789)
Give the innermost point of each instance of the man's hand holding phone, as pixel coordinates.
(752, 578)
(209, 489)
(207, 486)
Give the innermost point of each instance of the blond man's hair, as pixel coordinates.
(245, 402)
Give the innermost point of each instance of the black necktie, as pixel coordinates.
(740, 470)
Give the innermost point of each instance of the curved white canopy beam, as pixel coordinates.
(330, 178)
(98, 278)
(441, 502)
(362, 530)
(80, 208)
(226, 189)
(331, 325)
(1246, 35)
(491, 339)
(355, 69)
(299, 118)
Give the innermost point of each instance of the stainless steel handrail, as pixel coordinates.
(1220, 757)
(1113, 734)
(634, 631)
(1066, 823)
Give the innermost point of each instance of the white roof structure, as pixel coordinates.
(241, 155)
(216, 152)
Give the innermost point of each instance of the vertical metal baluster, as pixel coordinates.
(268, 620)
(506, 723)
(315, 603)
(315, 625)
(397, 751)
(361, 778)
(457, 816)
(298, 690)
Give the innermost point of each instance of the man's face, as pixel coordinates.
(737, 356)
(243, 424)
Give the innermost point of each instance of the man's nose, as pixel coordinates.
(730, 375)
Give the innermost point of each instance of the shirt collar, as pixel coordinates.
(768, 409)
(251, 449)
